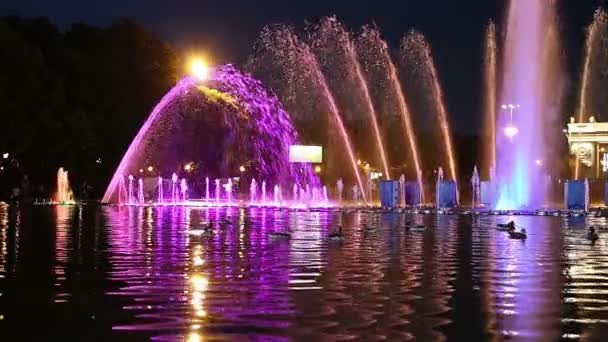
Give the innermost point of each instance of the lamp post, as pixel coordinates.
(199, 69)
(510, 130)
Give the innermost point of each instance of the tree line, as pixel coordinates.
(75, 98)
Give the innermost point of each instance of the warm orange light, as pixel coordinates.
(242, 168)
(199, 69)
(317, 169)
(150, 168)
(188, 167)
(199, 283)
(194, 337)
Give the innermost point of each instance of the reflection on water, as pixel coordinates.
(157, 273)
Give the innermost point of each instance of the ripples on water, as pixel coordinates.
(101, 273)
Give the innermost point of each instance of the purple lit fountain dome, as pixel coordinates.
(226, 126)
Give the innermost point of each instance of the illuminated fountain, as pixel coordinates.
(531, 90)
(277, 195)
(217, 191)
(280, 47)
(253, 189)
(416, 51)
(130, 193)
(325, 79)
(592, 99)
(229, 191)
(378, 56)
(140, 191)
(122, 190)
(251, 126)
(490, 105)
(160, 190)
(64, 194)
(174, 194)
(593, 66)
(331, 71)
(207, 189)
(331, 36)
(355, 191)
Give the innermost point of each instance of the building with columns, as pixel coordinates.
(588, 145)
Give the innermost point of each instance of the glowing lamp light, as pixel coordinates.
(5, 155)
(194, 337)
(242, 168)
(199, 69)
(317, 169)
(539, 162)
(511, 131)
(150, 168)
(141, 170)
(188, 167)
(199, 283)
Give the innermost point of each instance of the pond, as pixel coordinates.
(157, 273)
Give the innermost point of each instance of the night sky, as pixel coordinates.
(227, 29)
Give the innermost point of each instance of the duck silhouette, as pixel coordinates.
(592, 235)
(521, 235)
(336, 235)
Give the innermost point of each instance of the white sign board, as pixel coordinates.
(305, 154)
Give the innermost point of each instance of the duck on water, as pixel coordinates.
(520, 235)
(336, 235)
(592, 235)
(280, 235)
(410, 225)
(506, 227)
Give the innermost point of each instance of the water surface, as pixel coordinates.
(101, 273)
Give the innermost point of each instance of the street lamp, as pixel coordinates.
(150, 168)
(242, 168)
(199, 69)
(5, 155)
(511, 130)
